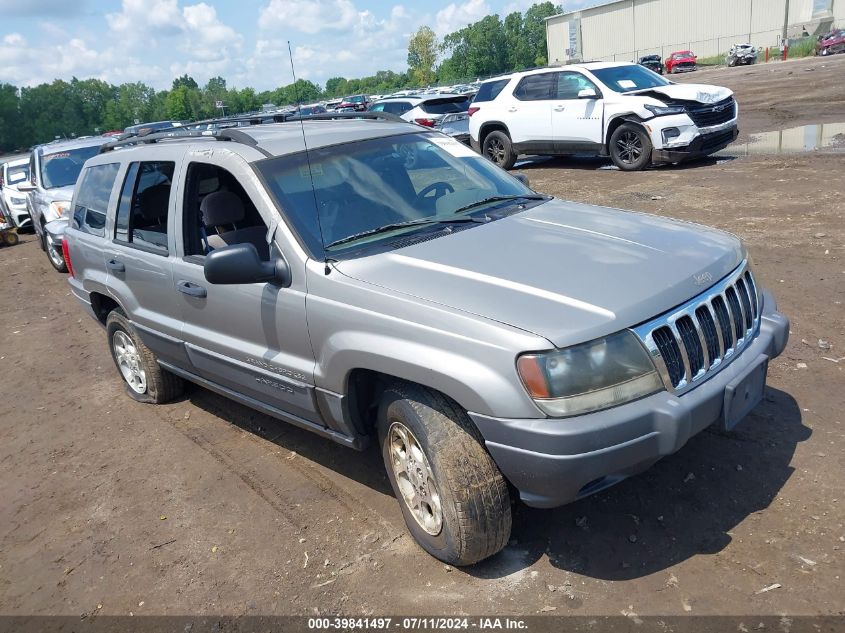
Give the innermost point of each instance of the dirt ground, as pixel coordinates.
(204, 506)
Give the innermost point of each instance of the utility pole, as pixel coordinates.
(785, 18)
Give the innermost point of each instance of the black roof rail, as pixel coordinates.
(233, 133)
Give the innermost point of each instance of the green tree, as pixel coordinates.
(177, 104)
(10, 119)
(535, 30)
(422, 55)
(335, 86)
(185, 80)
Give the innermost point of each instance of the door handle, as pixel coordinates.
(188, 288)
(116, 266)
(559, 108)
(511, 109)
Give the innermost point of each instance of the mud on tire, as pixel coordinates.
(473, 495)
(161, 385)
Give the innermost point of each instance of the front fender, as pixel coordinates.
(475, 385)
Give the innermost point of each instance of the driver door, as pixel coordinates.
(251, 339)
(576, 121)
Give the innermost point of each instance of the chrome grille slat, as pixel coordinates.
(694, 341)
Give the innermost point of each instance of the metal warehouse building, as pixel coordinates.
(627, 29)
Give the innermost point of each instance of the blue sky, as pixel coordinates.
(245, 41)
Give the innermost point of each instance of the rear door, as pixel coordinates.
(528, 111)
(98, 186)
(139, 256)
(576, 122)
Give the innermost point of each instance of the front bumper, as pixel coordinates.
(701, 145)
(55, 231)
(555, 461)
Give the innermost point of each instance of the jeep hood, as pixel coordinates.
(567, 272)
(686, 92)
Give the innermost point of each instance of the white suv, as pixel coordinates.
(620, 110)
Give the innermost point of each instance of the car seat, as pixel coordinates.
(221, 211)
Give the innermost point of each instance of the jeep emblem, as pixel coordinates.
(703, 278)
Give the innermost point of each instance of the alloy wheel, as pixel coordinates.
(630, 147)
(495, 150)
(414, 478)
(129, 362)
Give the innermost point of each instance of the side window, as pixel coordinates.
(144, 206)
(569, 84)
(399, 107)
(217, 212)
(92, 200)
(379, 107)
(536, 87)
(32, 169)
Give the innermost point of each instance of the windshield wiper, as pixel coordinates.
(400, 225)
(478, 203)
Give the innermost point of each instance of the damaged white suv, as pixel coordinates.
(620, 110)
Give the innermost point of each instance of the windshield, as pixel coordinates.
(355, 99)
(61, 169)
(362, 186)
(629, 78)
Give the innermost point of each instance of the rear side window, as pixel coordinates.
(490, 90)
(92, 199)
(446, 106)
(537, 87)
(393, 107)
(144, 206)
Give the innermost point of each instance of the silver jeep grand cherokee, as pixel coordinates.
(390, 285)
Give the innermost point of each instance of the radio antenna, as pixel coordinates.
(307, 157)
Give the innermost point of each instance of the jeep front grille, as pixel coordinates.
(694, 341)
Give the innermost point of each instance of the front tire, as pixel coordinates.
(145, 380)
(498, 149)
(630, 147)
(56, 257)
(454, 499)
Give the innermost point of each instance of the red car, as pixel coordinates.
(833, 42)
(680, 62)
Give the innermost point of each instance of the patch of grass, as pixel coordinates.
(714, 60)
(804, 48)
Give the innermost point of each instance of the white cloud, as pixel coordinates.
(208, 46)
(456, 16)
(363, 46)
(308, 16)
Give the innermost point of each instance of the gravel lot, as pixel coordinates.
(204, 506)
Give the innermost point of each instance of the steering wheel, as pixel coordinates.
(439, 188)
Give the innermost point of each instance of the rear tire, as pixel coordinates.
(498, 149)
(145, 380)
(454, 499)
(630, 147)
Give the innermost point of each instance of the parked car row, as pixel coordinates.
(444, 112)
(410, 294)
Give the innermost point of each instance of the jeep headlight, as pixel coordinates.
(597, 375)
(664, 110)
(59, 207)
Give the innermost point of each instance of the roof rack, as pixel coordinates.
(236, 135)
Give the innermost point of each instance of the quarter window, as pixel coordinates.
(536, 87)
(92, 200)
(145, 206)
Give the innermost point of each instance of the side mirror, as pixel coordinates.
(521, 178)
(587, 93)
(26, 186)
(240, 264)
